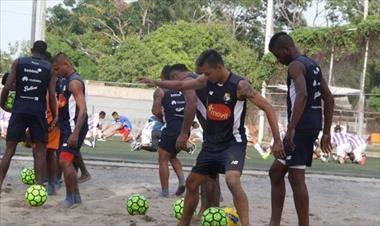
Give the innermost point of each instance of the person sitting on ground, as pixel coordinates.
(342, 144)
(121, 125)
(149, 136)
(359, 146)
(95, 125)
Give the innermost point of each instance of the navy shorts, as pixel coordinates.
(63, 147)
(18, 123)
(303, 153)
(167, 143)
(212, 161)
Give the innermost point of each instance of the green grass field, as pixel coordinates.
(119, 151)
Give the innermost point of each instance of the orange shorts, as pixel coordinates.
(53, 139)
(124, 132)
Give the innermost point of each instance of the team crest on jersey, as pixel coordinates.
(218, 112)
(226, 97)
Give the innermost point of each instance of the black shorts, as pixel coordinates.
(212, 162)
(167, 143)
(38, 128)
(303, 153)
(63, 147)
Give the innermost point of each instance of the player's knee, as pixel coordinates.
(191, 186)
(65, 159)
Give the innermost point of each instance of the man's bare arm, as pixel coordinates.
(157, 102)
(198, 83)
(296, 72)
(328, 111)
(52, 96)
(76, 88)
(190, 109)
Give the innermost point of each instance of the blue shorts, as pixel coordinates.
(38, 128)
(211, 162)
(63, 147)
(167, 143)
(303, 153)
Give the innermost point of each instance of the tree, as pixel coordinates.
(19, 49)
(350, 10)
(374, 101)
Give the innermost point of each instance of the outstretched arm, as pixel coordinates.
(328, 110)
(245, 91)
(53, 99)
(198, 83)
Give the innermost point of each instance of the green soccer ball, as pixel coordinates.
(28, 176)
(137, 205)
(10, 100)
(36, 195)
(214, 217)
(178, 208)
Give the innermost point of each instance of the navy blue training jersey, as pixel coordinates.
(68, 109)
(312, 115)
(173, 104)
(221, 114)
(32, 82)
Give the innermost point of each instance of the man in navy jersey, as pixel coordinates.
(222, 99)
(73, 124)
(306, 90)
(178, 114)
(33, 78)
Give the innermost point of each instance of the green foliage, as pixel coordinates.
(19, 49)
(131, 59)
(374, 101)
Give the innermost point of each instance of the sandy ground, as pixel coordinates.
(334, 200)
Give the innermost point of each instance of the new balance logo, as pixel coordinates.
(234, 162)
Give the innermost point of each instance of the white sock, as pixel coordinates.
(259, 149)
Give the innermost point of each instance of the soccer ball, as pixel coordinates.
(137, 205)
(28, 176)
(232, 216)
(214, 217)
(178, 208)
(36, 195)
(10, 100)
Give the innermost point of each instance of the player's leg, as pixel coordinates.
(300, 194)
(232, 160)
(210, 194)
(177, 166)
(85, 175)
(10, 150)
(51, 163)
(15, 134)
(163, 161)
(72, 191)
(239, 197)
(193, 181)
(301, 157)
(277, 173)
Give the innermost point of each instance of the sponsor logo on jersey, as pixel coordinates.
(227, 97)
(33, 71)
(218, 112)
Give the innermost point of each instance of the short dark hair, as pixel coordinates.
(280, 39)
(39, 47)
(102, 113)
(114, 113)
(4, 78)
(165, 72)
(177, 68)
(211, 57)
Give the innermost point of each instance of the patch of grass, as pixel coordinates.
(122, 152)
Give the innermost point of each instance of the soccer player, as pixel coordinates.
(32, 78)
(73, 124)
(306, 90)
(359, 146)
(343, 146)
(121, 125)
(222, 99)
(179, 111)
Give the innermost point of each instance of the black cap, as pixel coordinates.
(39, 47)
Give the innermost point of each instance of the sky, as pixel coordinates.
(15, 20)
